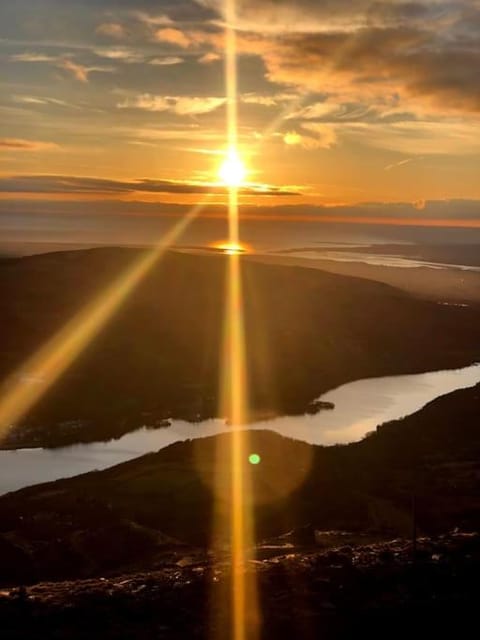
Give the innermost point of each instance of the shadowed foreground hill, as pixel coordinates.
(159, 357)
(133, 516)
(368, 590)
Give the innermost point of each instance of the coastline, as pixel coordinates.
(439, 285)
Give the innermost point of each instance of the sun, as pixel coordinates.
(232, 171)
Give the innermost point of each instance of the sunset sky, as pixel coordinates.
(121, 103)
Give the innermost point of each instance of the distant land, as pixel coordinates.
(453, 254)
(160, 356)
(443, 282)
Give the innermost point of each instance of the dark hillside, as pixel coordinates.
(159, 357)
(126, 517)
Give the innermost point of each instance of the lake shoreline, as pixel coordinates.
(253, 421)
(308, 332)
(361, 407)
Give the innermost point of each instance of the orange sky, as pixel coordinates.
(339, 103)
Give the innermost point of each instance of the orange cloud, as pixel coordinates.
(173, 36)
(80, 72)
(208, 58)
(320, 136)
(17, 144)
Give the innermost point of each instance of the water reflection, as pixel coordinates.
(359, 407)
(381, 260)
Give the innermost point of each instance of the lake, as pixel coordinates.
(360, 406)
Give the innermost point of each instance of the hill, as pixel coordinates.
(159, 356)
(337, 594)
(139, 514)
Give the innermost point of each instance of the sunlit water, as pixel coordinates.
(359, 407)
(377, 260)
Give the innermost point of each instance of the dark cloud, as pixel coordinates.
(322, 15)
(44, 184)
(416, 50)
(426, 210)
(377, 64)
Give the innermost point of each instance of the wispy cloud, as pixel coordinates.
(121, 54)
(79, 71)
(401, 163)
(181, 105)
(113, 30)
(33, 57)
(151, 20)
(255, 98)
(135, 56)
(444, 137)
(209, 57)
(167, 61)
(45, 101)
(318, 136)
(17, 144)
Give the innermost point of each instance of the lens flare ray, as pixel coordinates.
(244, 616)
(48, 364)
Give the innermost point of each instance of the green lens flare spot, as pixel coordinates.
(254, 458)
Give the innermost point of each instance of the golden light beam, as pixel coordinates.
(46, 366)
(243, 597)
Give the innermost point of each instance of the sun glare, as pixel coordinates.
(231, 248)
(232, 171)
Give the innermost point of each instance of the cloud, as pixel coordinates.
(35, 100)
(167, 61)
(374, 64)
(181, 105)
(401, 163)
(45, 184)
(255, 98)
(16, 144)
(174, 37)
(209, 57)
(418, 137)
(147, 102)
(113, 30)
(30, 100)
(33, 57)
(319, 136)
(424, 53)
(293, 139)
(132, 56)
(325, 135)
(310, 16)
(121, 54)
(196, 106)
(33, 214)
(146, 18)
(79, 71)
